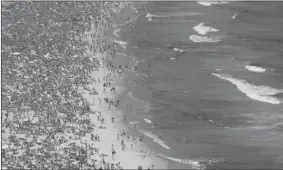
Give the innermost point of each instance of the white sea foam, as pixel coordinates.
(149, 19)
(207, 3)
(195, 164)
(263, 127)
(202, 29)
(155, 139)
(178, 14)
(259, 93)
(197, 38)
(116, 31)
(149, 15)
(122, 43)
(255, 68)
(178, 49)
(147, 121)
(234, 15)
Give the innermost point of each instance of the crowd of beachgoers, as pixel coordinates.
(57, 86)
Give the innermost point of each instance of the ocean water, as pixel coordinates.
(209, 79)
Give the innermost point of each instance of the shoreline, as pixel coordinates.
(140, 154)
(153, 142)
(94, 129)
(128, 102)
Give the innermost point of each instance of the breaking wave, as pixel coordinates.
(259, 93)
(178, 49)
(207, 3)
(202, 29)
(155, 139)
(235, 15)
(148, 121)
(195, 164)
(255, 68)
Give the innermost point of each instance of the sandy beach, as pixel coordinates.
(135, 153)
(131, 157)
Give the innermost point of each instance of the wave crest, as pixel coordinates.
(259, 93)
(155, 139)
(202, 29)
(178, 49)
(207, 3)
(255, 68)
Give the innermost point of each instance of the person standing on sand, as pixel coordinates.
(112, 118)
(124, 133)
(113, 152)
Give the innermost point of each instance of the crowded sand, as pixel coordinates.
(93, 137)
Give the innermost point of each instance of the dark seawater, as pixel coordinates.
(210, 79)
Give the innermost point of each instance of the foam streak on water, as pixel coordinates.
(259, 93)
(155, 139)
(255, 68)
(195, 164)
(178, 49)
(179, 14)
(197, 38)
(207, 3)
(147, 121)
